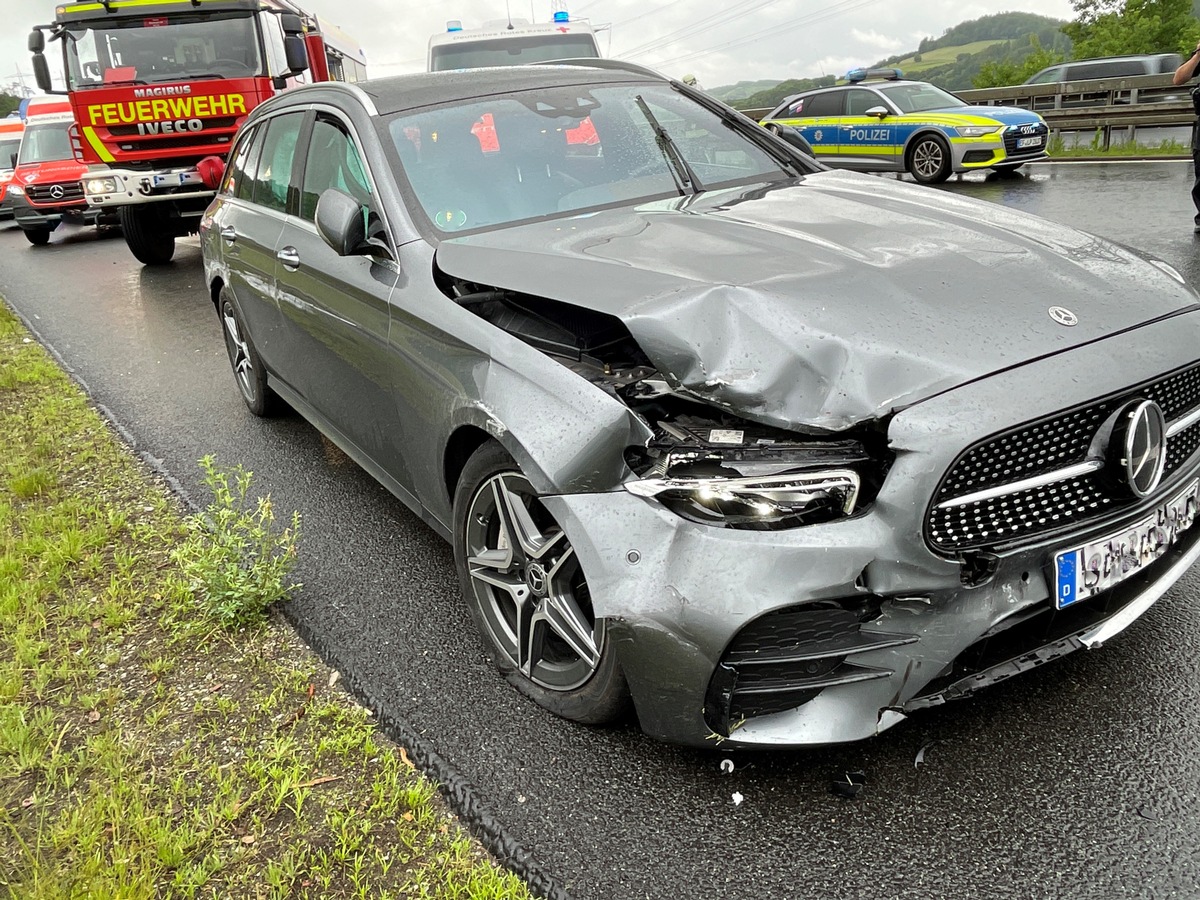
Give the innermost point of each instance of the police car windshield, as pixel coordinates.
(46, 143)
(511, 51)
(556, 151)
(150, 49)
(8, 152)
(919, 97)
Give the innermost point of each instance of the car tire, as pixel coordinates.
(928, 159)
(528, 596)
(147, 233)
(248, 370)
(39, 237)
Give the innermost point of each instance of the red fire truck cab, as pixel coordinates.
(158, 90)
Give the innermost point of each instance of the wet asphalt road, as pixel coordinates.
(1081, 778)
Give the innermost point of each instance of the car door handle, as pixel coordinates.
(290, 257)
(228, 233)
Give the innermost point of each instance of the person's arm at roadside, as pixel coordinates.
(1188, 70)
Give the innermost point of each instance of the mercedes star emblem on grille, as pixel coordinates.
(1142, 432)
(1063, 316)
(57, 192)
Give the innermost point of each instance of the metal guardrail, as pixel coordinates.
(1105, 105)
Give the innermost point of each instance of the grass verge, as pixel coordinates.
(153, 746)
(1057, 149)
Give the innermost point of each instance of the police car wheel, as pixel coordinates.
(929, 159)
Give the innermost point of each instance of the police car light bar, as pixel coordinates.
(854, 76)
(454, 25)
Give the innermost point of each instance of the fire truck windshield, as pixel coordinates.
(511, 51)
(46, 143)
(145, 50)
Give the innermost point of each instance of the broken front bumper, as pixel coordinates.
(835, 632)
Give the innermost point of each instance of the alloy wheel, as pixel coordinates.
(527, 581)
(928, 159)
(239, 352)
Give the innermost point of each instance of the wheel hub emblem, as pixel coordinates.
(1063, 316)
(535, 577)
(1143, 446)
(57, 192)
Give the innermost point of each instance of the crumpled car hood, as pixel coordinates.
(825, 303)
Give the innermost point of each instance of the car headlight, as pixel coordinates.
(16, 190)
(762, 503)
(977, 130)
(100, 185)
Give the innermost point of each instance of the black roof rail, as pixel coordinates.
(595, 62)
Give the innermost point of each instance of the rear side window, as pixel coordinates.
(273, 177)
(235, 175)
(821, 105)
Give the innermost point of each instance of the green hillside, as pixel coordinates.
(1005, 42)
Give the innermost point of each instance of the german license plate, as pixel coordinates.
(1086, 571)
(1022, 143)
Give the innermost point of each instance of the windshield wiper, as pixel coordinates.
(680, 170)
(746, 127)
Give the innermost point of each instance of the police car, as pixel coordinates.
(879, 122)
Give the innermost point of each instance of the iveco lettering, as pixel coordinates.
(722, 439)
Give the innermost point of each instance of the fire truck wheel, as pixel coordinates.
(148, 234)
(37, 236)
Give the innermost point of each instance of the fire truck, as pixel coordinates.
(158, 89)
(511, 42)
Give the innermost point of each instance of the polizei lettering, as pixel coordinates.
(870, 135)
(181, 113)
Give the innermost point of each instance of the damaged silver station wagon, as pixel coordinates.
(775, 453)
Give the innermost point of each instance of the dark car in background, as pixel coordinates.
(746, 442)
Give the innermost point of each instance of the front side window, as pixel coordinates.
(332, 161)
(916, 97)
(858, 102)
(273, 176)
(46, 143)
(512, 51)
(537, 153)
(149, 49)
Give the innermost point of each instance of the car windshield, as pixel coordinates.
(8, 152)
(511, 51)
(46, 143)
(503, 159)
(156, 48)
(917, 97)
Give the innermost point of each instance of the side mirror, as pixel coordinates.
(296, 53)
(291, 24)
(341, 223)
(41, 73)
(37, 41)
(879, 112)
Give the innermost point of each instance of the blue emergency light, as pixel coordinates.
(854, 76)
(561, 16)
(454, 25)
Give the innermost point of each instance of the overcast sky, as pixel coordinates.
(720, 42)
